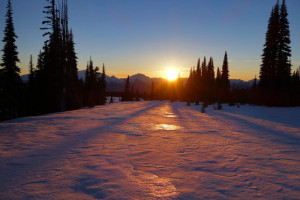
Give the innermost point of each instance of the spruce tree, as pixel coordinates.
(270, 52)
(127, 92)
(210, 72)
(73, 100)
(203, 81)
(210, 81)
(31, 71)
(102, 87)
(275, 72)
(218, 84)
(225, 83)
(91, 84)
(218, 79)
(11, 82)
(225, 73)
(284, 49)
(152, 92)
(197, 83)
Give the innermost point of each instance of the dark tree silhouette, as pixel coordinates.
(127, 95)
(152, 91)
(225, 86)
(31, 72)
(11, 83)
(275, 71)
(91, 84)
(73, 97)
(270, 51)
(284, 49)
(102, 86)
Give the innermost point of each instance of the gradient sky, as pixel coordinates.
(150, 36)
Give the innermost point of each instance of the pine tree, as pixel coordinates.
(91, 84)
(225, 87)
(152, 92)
(254, 85)
(73, 99)
(270, 51)
(204, 67)
(275, 72)
(210, 81)
(197, 83)
(218, 78)
(11, 83)
(102, 87)
(32, 91)
(127, 93)
(225, 73)
(53, 83)
(218, 84)
(31, 73)
(204, 89)
(210, 72)
(284, 49)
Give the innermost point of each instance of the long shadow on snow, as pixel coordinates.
(35, 160)
(280, 137)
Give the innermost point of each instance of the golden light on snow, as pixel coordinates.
(172, 74)
(166, 127)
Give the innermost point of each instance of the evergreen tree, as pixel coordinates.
(218, 79)
(91, 84)
(210, 82)
(203, 81)
(225, 83)
(275, 72)
(31, 73)
(127, 93)
(11, 82)
(53, 71)
(254, 85)
(73, 99)
(102, 87)
(152, 91)
(204, 67)
(197, 83)
(218, 85)
(270, 51)
(225, 73)
(284, 49)
(210, 72)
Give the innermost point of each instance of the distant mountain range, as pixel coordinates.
(143, 83)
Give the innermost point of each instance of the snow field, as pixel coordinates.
(152, 150)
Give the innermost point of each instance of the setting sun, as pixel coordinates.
(172, 74)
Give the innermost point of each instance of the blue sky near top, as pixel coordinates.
(151, 36)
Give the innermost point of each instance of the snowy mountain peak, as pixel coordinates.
(140, 77)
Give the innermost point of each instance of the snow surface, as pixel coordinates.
(152, 150)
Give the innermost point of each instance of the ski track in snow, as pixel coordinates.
(152, 150)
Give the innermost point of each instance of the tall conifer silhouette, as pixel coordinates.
(225, 84)
(11, 82)
(275, 71)
(284, 49)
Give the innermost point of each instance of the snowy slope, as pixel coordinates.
(152, 150)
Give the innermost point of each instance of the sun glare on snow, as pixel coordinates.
(172, 74)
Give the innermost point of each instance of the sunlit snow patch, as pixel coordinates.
(169, 115)
(166, 127)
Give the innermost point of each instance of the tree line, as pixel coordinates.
(53, 85)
